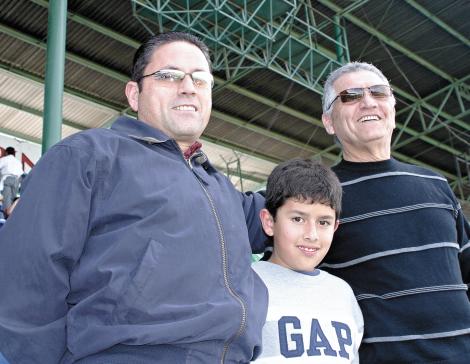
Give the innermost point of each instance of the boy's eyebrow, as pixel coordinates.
(298, 212)
(324, 217)
(327, 217)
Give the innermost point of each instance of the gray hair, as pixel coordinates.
(329, 92)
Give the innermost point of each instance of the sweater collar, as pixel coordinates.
(367, 166)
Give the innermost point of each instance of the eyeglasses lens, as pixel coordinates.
(351, 95)
(380, 91)
(200, 79)
(354, 94)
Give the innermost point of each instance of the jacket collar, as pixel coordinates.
(137, 129)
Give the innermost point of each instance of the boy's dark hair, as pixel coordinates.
(144, 53)
(305, 180)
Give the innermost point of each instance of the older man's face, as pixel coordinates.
(366, 125)
(179, 109)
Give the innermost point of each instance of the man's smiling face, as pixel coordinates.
(180, 109)
(365, 124)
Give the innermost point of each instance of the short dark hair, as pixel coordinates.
(144, 53)
(306, 180)
(10, 151)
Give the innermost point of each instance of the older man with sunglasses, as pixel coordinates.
(128, 246)
(403, 241)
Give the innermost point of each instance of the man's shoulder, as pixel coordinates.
(94, 141)
(88, 136)
(413, 168)
(99, 145)
(347, 171)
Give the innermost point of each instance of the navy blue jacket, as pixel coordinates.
(121, 251)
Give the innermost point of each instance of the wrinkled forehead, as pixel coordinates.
(358, 79)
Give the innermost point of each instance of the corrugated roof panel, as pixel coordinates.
(86, 114)
(67, 131)
(20, 122)
(83, 41)
(19, 90)
(95, 83)
(25, 16)
(22, 55)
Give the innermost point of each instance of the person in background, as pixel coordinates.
(403, 241)
(10, 173)
(128, 246)
(313, 316)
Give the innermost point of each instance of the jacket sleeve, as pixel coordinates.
(40, 243)
(253, 202)
(463, 234)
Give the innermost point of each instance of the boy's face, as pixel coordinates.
(302, 233)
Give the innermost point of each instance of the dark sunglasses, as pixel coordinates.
(354, 94)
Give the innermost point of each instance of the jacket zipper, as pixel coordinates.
(225, 269)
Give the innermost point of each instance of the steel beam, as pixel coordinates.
(68, 55)
(424, 102)
(244, 30)
(439, 22)
(353, 6)
(387, 40)
(93, 25)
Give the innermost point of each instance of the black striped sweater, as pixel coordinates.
(403, 246)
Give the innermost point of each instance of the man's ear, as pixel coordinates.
(132, 93)
(267, 221)
(327, 123)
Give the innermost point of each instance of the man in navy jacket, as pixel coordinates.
(127, 245)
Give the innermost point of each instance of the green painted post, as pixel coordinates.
(339, 39)
(54, 85)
